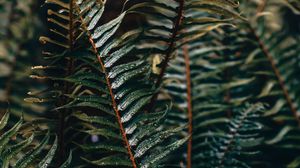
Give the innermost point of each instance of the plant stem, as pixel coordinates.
(277, 74)
(170, 49)
(112, 96)
(169, 53)
(189, 101)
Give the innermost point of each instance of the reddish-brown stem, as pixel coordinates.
(169, 52)
(189, 101)
(114, 104)
(277, 74)
(112, 96)
(227, 100)
(227, 96)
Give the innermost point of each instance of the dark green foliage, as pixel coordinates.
(230, 148)
(189, 83)
(23, 150)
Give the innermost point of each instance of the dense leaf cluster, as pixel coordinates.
(190, 83)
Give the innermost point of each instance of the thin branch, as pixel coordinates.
(114, 103)
(172, 43)
(169, 52)
(189, 101)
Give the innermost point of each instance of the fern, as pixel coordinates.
(13, 147)
(242, 137)
(182, 79)
(245, 55)
(189, 83)
(222, 78)
(117, 74)
(103, 99)
(270, 51)
(123, 97)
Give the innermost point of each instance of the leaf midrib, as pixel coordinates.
(189, 101)
(114, 104)
(169, 52)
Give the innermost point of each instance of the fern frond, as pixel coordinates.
(130, 97)
(256, 71)
(226, 148)
(120, 98)
(199, 63)
(183, 24)
(13, 147)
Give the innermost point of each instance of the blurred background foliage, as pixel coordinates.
(21, 25)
